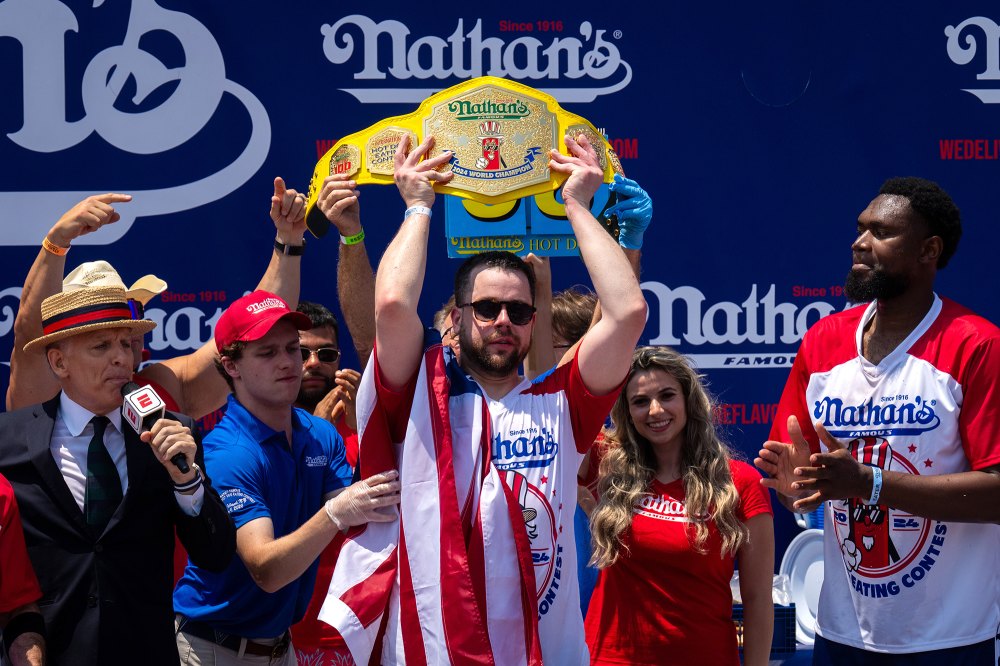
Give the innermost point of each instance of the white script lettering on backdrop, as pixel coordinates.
(200, 84)
(462, 55)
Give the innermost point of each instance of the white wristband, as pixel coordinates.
(331, 516)
(876, 486)
(413, 210)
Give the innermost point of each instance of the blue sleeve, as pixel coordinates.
(239, 477)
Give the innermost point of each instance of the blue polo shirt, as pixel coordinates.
(257, 476)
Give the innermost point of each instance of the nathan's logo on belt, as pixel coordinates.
(892, 415)
(524, 449)
(466, 110)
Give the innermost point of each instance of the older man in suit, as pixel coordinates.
(99, 502)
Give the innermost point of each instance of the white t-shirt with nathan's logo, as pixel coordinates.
(894, 581)
(540, 433)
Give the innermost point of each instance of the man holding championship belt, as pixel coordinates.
(481, 565)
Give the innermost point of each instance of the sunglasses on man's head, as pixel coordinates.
(486, 311)
(324, 354)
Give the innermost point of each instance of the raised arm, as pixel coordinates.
(606, 351)
(31, 381)
(338, 199)
(191, 379)
(635, 211)
(541, 355)
(400, 277)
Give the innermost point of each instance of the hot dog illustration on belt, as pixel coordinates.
(491, 140)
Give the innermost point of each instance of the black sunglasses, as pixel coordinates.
(486, 311)
(324, 354)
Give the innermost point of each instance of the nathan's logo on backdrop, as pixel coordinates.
(757, 332)
(590, 59)
(178, 331)
(165, 107)
(977, 35)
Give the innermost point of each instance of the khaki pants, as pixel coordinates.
(196, 651)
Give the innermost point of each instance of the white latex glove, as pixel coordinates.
(361, 501)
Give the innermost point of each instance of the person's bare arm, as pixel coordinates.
(541, 355)
(191, 379)
(31, 381)
(633, 260)
(756, 567)
(400, 277)
(606, 350)
(338, 200)
(274, 563)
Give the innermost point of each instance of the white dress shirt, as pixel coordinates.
(70, 441)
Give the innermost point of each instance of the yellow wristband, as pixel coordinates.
(52, 248)
(353, 240)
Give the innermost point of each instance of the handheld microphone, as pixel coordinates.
(142, 407)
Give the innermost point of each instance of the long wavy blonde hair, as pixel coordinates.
(629, 464)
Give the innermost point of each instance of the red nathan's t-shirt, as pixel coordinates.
(662, 601)
(18, 585)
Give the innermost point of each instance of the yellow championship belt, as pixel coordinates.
(500, 132)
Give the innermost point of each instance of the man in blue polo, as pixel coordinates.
(283, 477)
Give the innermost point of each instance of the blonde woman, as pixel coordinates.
(675, 513)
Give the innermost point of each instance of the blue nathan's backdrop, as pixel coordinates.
(761, 131)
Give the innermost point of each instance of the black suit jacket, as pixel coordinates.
(106, 597)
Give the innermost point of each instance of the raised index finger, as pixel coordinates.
(113, 197)
(279, 187)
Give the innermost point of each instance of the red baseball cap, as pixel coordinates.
(251, 317)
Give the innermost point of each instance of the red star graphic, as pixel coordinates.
(913, 448)
(928, 463)
(560, 529)
(544, 479)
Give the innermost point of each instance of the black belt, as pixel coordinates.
(231, 642)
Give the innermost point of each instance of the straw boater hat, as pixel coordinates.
(94, 298)
(102, 274)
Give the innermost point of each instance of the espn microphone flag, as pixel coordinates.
(451, 581)
(142, 407)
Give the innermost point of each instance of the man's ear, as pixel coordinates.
(57, 361)
(229, 365)
(456, 320)
(931, 249)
